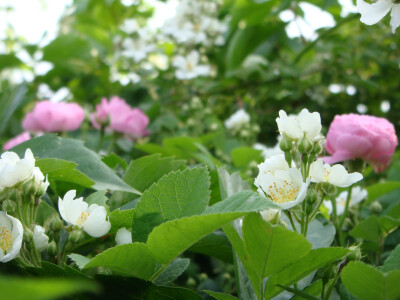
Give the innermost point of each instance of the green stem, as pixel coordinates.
(329, 292)
(346, 208)
(101, 140)
(289, 215)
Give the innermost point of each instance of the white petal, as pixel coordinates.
(300, 197)
(17, 232)
(96, 224)
(310, 123)
(123, 236)
(317, 171)
(395, 17)
(40, 239)
(373, 13)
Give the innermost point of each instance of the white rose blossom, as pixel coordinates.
(237, 120)
(373, 13)
(93, 218)
(188, 67)
(123, 236)
(14, 170)
(283, 185)
(11, 234)
(40, 238)
(336, 174)
(295, 127)
(357, 195)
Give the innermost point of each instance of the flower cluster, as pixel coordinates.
(373, 13)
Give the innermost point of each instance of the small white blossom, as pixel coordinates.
(40, 238)
(11, 234)
(296, 127)
(137, 49)
(93, 218)
(237, 120)
(373, 13)
(283, 185)
(188, 67)
(268, 152)
(130, 26)
(123, 236)
(14, 170)
(357, 195)
(336, 174)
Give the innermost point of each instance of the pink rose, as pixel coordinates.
(54, 117)
(17, 140)
(359, 136)
(120, 117)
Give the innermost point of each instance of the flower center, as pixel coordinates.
(326, 175)
(82, 218)
(283, 193)
(6, 239)
(189, 66)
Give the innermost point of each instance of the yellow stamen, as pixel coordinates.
(6, 239)
(82, 218)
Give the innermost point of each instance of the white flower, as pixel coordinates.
(40, 239)
(11, 234)
(137, 49)
(357, 195)
(283, 185)
(77, 212)
(268, 152)
(130, 26)
(271, 215)
(188, 67)
(14, 170)
(237, 120)
(336, 175)
(373, 13)
(123, 236)
(296, 126)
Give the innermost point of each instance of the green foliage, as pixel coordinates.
(172, 271)
(393, 261)
(374, 228)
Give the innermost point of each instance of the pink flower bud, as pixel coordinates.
(17, 140)
(360, 136)
(54, 117)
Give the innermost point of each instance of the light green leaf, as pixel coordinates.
(215, 244)
(379, 189)
(315, 259)
(10, 101)
(219, 296)
(269, 248)
(299, 293)
(393, 261)
(18, 288)
(172, 271)
(80, 260)
(231, 184)
(243, 156)
(121, 218)
(365, 282)
(127, 260)
(170, 239)
(98, 198)
(89, 163)
(315, 289)
(176, 195)
(373, 227)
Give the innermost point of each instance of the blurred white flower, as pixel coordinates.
(40, 238)
(93, 218)
(11, 234)
(373, 13)
(268, 152)
(283, 185)
(357, 195)
(14, 170)
(296, 126)
(123, 236)
(336, 174)
(137, 49)
(188, 67)
(237, 120)
(130, 26)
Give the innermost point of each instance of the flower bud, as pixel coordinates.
(14, 194)
(375, 207)
(285, 144)
(328, 188)
(305, 145)
(312, 197)
(29, 187)
(28, 235)
(9, 206)
(317, 147)
(52, 248)
(355, 253)
(56, 224)
(271, 215)
(76, 236)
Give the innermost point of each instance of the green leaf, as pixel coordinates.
(63, 170)
(170, 239)
(315, 259)
(98, 198)
(10, 101)
(269, 248)
(393, 261)
(215, 244)
(365, 282)
(9, 61)
(89, 163)
(172, 271)
(115, 287)
(18, 288)
(379, 189)
(301, 294)
(128, 260)
(176, 195)
(373, 227)
(220, 296)
(80, 260)
(315, 289)
(112, 160)
(121, 218)
(231, 183)
(246, 201)
(243, 156)
(44, 213)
